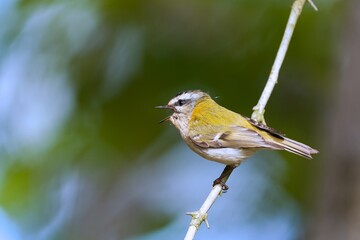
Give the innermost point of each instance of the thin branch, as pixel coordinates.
(201, 215)
(259, 109)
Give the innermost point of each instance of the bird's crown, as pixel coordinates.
(187, 98)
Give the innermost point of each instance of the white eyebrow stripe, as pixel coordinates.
(185, 96)
(188, 96)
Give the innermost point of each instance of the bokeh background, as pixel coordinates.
(82, 155)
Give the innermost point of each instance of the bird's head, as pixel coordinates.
(182, 106)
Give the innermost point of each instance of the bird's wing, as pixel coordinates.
(228, 137)
(265, 128)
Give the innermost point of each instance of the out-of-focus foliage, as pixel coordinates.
(81, 153)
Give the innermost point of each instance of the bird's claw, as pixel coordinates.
(224, 187)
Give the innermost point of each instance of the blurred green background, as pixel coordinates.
(82, 155)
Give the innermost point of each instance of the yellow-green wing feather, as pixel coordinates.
(214, 126)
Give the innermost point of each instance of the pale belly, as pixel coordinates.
(227, 156)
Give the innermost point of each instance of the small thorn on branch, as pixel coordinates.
(313, 5)
(207, 222)
(193, 214)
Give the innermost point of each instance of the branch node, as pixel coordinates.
(197, 218)
(258, 116)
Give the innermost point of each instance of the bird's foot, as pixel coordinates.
(224, 187)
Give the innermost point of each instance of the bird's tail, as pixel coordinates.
(296, 147)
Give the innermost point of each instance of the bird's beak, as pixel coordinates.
(165, 119)
(166, 107)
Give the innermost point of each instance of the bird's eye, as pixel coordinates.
(181, 102)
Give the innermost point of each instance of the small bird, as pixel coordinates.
(223, 136)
